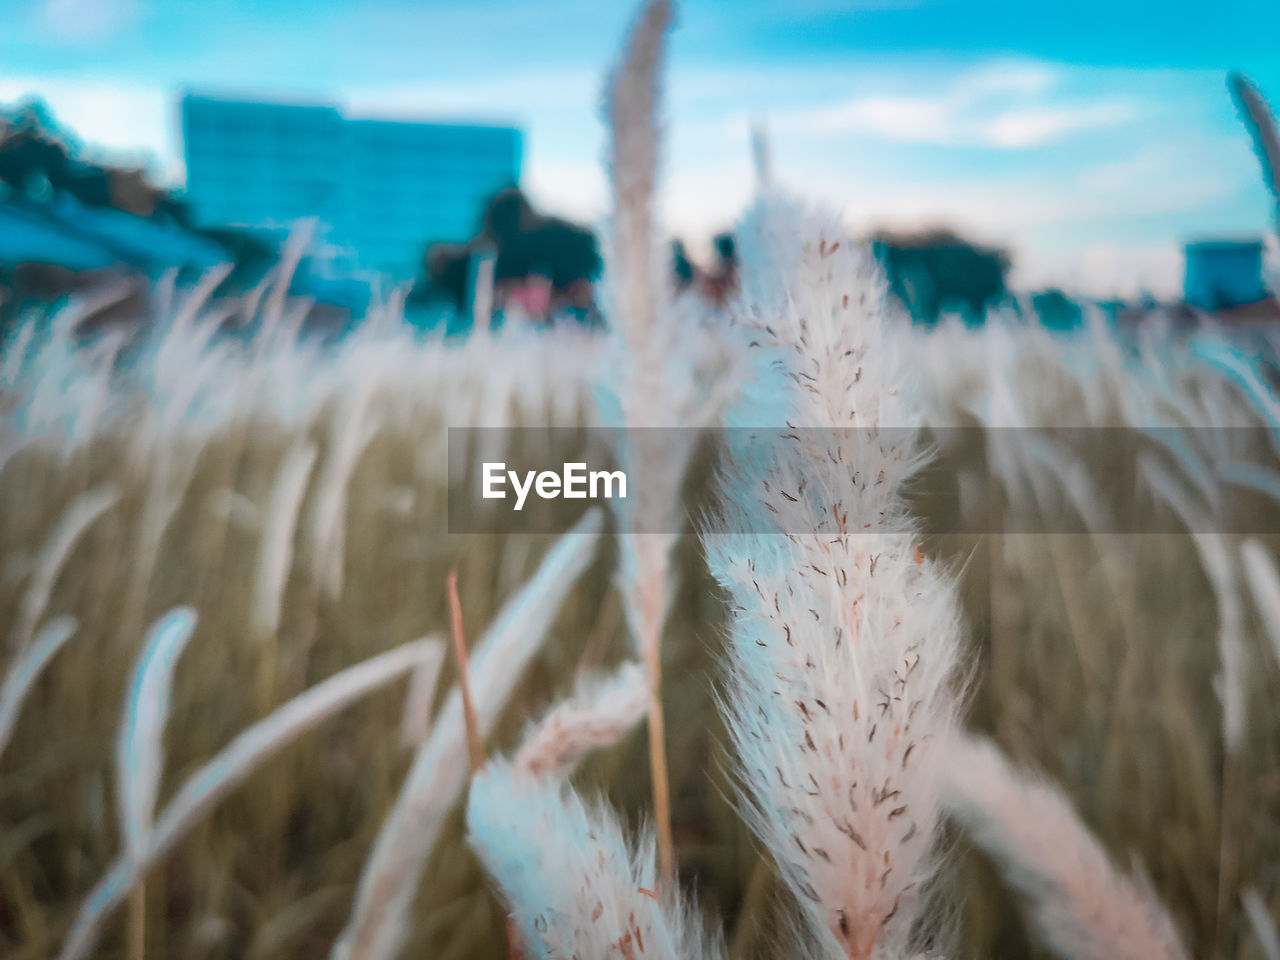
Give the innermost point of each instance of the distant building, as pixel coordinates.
(937, 271)
(383, 189)
(1223, 274)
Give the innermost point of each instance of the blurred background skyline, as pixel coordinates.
(1092, 141)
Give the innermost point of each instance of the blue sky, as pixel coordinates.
(1092, 138)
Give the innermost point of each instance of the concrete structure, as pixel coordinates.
(1221, 274)
(383, 189)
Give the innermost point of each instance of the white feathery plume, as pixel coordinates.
(577, 887)
(415, 720)
(664, 376)
(842, 685)
(353, 428)
(276, 552)
(75, 520)
(183, 362)
(22, 675)
(632, 110)
(1262, 127)
(274, 333)
(140, 748)
(235, 508)
(204, 788)
(1219, 567)
(101, 359)
(598, 715)
(1264, 583)
(1082, 906)
(439, 772)
(15, 355)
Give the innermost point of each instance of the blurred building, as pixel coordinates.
(1223, 274)
(381, 189)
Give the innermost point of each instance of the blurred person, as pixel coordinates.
(721, 283)
(683, 269)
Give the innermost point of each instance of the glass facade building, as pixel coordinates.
(383, 189)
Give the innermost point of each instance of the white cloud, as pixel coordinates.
(127, 121)
(513, 94)
(1007, 106)
(1033, 126)
(85, 21)
(901, 119)
(1102, 270)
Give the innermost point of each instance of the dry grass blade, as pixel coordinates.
(1220, 570)
(276, 552)
(1082, 906)
(87, 508)
(1264, 583)
(354, 427)
(223, 773)
(23, 674)
(140, 749)
(415, 722)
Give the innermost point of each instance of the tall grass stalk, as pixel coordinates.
(26, 669)
(140, 752)
(632, 111)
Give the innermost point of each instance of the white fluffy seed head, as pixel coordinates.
(576, 885)
(1082, 906)
(602, 711)
(844, 648)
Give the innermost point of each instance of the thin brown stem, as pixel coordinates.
(136, 929)
(658, 764)
(475, 745)
(1226, 854)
